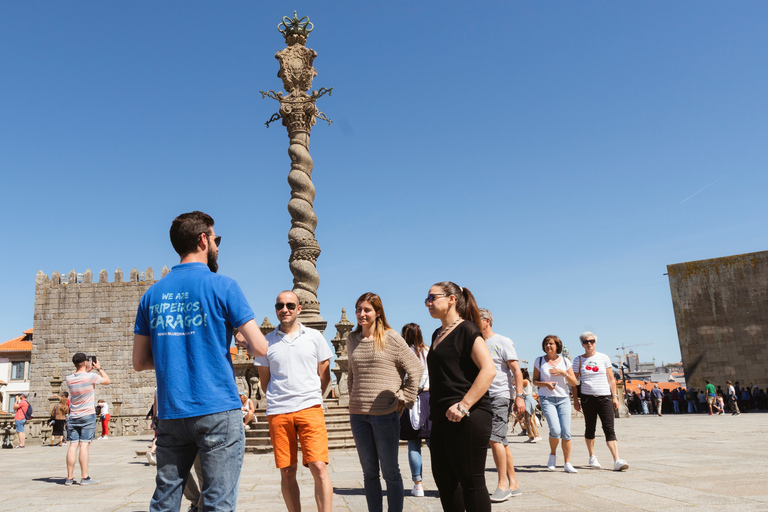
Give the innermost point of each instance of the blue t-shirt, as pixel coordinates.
(189, 315)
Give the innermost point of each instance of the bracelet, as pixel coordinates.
(519, 396)
(462, 411)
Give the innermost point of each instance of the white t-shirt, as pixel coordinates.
(594, 380)
(293, 382)
(104, 408)
(561, 388)
(502, 350)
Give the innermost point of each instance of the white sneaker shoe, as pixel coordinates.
(620, 465)
(593, 462)
(552, 462)
(247, 427)
(151, 459)
(569, 468)
(538, 439)
(418, 490)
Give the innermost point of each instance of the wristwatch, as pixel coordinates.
(519, 396)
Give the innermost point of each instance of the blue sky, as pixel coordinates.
(551, 157)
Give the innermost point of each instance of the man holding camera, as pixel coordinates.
(81, 424)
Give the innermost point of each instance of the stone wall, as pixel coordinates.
(74, 314)
(721, 311)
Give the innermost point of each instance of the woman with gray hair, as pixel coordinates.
(598, 397)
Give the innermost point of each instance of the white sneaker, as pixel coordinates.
(105, 437)
(569, 468)
(593, 462)
(247, 427)
(151, 459)
(418, 490)
(620, 465)
(538, 439)
(531, 440)
(552, 462)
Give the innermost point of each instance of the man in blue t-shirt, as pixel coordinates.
(183, 331)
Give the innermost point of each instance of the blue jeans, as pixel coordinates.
(557, 411)
(414, 457)
(645, 406)
(220, 440)
(81, 428)
(377, 439)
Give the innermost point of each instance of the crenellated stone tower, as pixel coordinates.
(299, 113)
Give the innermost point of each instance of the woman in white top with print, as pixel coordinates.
(552, 373)
(598, 397)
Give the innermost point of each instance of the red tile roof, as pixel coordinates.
(19, 344)
(634, 385)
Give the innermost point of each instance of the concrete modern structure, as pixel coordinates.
(721, 310)
(299, 113)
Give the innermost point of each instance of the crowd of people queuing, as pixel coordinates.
(710, 400)
(457, 395)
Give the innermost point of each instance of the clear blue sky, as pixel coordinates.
(552, 157)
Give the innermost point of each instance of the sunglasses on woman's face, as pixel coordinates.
(587, 341)
(280, 305)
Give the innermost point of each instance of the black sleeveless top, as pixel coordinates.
(452, 371)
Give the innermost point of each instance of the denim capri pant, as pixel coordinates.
(557, 411)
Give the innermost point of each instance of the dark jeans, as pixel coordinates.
(594, 406)
(459, 452)
(377, 439)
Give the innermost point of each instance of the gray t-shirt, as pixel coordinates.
(294, 383)
(502, 350)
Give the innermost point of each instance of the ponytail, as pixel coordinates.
(466, 306)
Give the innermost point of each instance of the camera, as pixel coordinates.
(92, 359)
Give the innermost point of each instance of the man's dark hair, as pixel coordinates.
(186, 230)
(79, 358)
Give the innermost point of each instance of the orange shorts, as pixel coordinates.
(309, 424)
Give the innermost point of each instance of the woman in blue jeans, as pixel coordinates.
(383, 378)
(553, 373)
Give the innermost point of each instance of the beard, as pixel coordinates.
(213, 265)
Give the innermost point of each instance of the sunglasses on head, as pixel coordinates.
(280, 305)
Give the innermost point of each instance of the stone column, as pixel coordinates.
(343, 328)
(299, 113)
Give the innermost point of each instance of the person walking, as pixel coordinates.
(597, 397)
(81, 424)
(293, 375)
(105, 417)
(658, 398)
(732, 399)
(531, 430)
(711, 397)
(59, 416)
(460, 372)
(384, 376)
(553, 373)
(183, 331)
(508, 375)
(415, 424)
(20, 417)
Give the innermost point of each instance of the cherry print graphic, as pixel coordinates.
(595, 368)
(589, 368)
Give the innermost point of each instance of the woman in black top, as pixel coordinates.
(460, 373)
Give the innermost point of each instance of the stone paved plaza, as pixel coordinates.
(683, 462)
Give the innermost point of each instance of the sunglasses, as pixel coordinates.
(217, 239)
(280, 305)
(587, 341)
(432, 296)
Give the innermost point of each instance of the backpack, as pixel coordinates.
(28, 412)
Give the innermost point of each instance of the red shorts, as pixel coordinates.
(309, 424)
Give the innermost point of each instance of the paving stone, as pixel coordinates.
(677, 463)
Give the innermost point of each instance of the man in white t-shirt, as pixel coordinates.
(293, 375)
(507, 374)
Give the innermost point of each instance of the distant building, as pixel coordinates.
(721, 312)
(15, 363)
